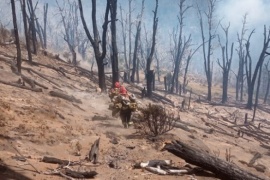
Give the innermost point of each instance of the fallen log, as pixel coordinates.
(76, 174)
(65, 96)
(41, 75)
(179, 123)
(182, 126)
(222, 169)
(32, 82)
(28, 81)
(78, 107)
(21, 86)
(53, 160)
(58, 70)
(156, 96)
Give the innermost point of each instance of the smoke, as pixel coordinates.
(257, 13)
(227, 11)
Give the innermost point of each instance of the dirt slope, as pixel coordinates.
(37, 124)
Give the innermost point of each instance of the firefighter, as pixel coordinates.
(129, 105)
(115, 91)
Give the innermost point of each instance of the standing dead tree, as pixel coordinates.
(17, 39)
(27, 40)
(99, 55)
(208, 49)
(124, 23)
(42, 31)
(241, 55)
(32, 28)
(114, 56)
(69, 18)
(257, 93)
(180, 46)
(129, 37)
(268, 82)
(226, 63)
(190, 55)
(251, 79)
(137, 37)
(158, 65)
(149, 72)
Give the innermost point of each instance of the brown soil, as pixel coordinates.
(30, 123)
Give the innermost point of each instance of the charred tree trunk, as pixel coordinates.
(39, 32)
(154, 81)
(27, 40)
(96, 40)
(267, 90)
(17, 39)
(268, 83)
(149, 72)
(208, 50)
(124, 36)
(129, 37)
(135, 54)
(241, 54)
(44, 32)
(134, 67)
(165, 83)
(257, 93)
(225, 87)
(185, 82)
(180, 46)
(32, 25)
(138, 71)
(158, 66)
(252, 79)
(226, 64)
(114, 58)
(150, 79)
(70, 22)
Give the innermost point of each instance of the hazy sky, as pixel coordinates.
(227, 11)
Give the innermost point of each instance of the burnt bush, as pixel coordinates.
(154, 120)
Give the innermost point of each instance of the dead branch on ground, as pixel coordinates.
(65, 96)
(21, 86)
(25, 158)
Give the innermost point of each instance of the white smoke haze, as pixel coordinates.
(228, 11)
(234, 10)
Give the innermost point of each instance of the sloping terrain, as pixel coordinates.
(36, 124)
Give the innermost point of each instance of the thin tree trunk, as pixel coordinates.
(129, 37)
(132, 78)
(17, 39)
(237, 87)
(26, 31)
(158, 66)
(267, 90)
(257, 94)
(33, 27)
(99, 56)
(150, 57)
(124, 36)
(45, 8)
(225, 87)
(115, 71)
